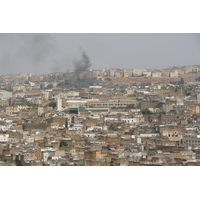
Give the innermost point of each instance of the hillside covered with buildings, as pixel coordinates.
(110, 117)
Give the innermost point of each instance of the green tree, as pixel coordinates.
(52, 104)
(34, 105)
(146, 111)
(130, 106)
(63, 143)
(188, 94)
(131, 95)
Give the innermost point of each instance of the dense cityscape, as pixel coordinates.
(99, 95)
(109, 117)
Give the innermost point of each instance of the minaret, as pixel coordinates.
(59, 104)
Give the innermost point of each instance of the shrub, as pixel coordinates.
(63, 143)
(131, 95)
(118, 107)
(130, 106)
(52, 104)
(146, 111)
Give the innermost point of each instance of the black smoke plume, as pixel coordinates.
(83, 64)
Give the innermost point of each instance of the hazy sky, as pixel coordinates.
(45, 53)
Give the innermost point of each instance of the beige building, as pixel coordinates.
(11, 110)
(174, 74)
(113, 103)
(137, 72)
(4, 102)
(172, 132)
(156, 74)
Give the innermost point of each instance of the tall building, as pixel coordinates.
(59, 104)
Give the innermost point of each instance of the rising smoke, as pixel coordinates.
(41, 47)
(40, 53)
(83, 64)
(33, 53)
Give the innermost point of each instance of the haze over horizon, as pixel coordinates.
(47, 53)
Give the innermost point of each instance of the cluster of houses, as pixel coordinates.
(105, 124)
